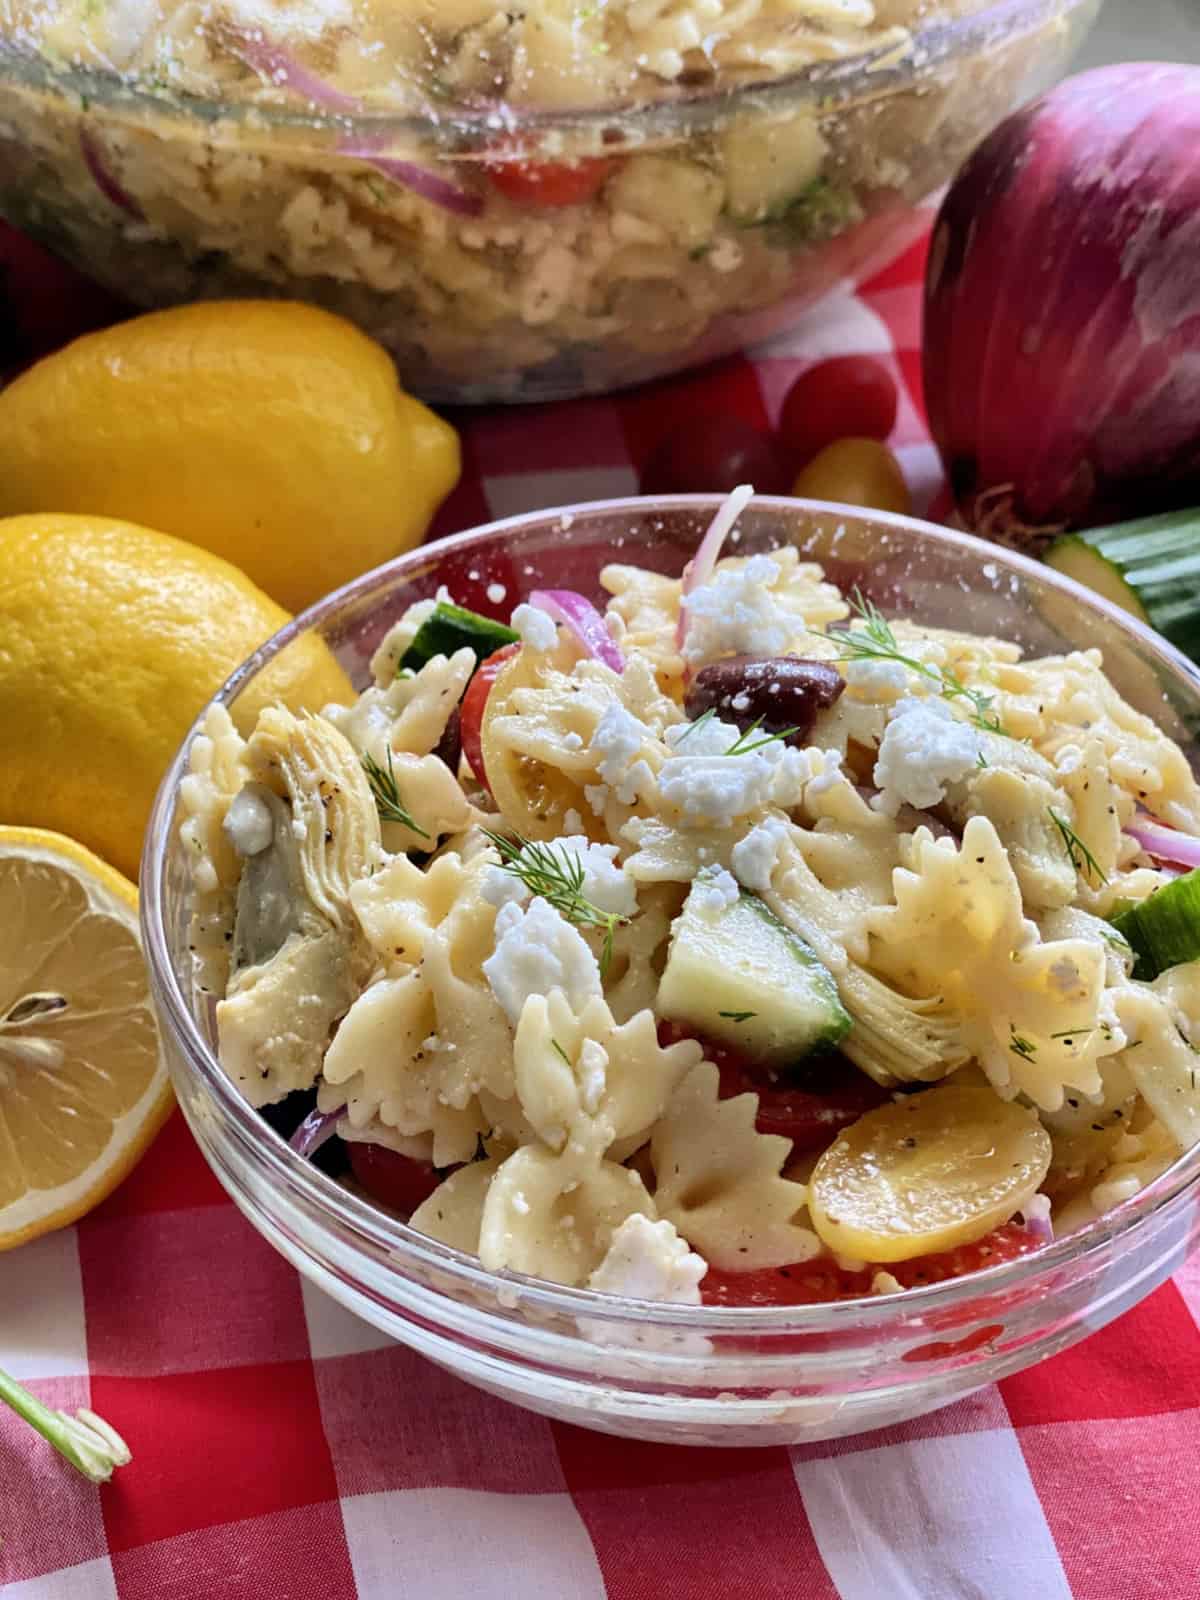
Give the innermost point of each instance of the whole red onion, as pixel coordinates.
(1062, 308)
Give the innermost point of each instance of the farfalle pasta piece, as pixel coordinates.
(398, 906)
(584, 1066)
(453, 1212)
(382, 1065)
(1022, 808)
(1074, 701)
(1160, 1023)
(307, 761)
(1035, 1015)
(639, 952)
(216, 774)
(718, 1179)
(408, 713)
(275, 1020)
(554, 1215)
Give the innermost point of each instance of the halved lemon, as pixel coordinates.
(83, 1086)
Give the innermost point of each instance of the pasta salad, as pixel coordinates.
(735, 943)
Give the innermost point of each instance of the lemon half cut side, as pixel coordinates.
(83, 1085)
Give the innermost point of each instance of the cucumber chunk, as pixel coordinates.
(1150, 568)
(739, 977)
(448, 628)
(1164, 931)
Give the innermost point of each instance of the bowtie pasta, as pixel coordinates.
(734, 944)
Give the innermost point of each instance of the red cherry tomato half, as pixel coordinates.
(472, 705)
(713, 453)
(396, 1181)
(844, 397)
(548, 183)
(810, 1110)
(816, 1282)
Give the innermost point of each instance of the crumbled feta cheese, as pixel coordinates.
(248, 825)
(713, 889)
(877, 680)
(753, 857)
(596, 795)
(737, 614)
(607, 885)
(617, 741)
(707, 737)
(592, 1071)
(712, 790)
(924, 748)
(536, 627)
(649, 1261)
(572, 821)
(538, 950)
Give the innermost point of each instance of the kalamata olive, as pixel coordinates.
(777, 692)
(449, 746)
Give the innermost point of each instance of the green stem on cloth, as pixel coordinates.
(85, 1440)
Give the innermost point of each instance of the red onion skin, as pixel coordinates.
(103, 178)
(1062, 308)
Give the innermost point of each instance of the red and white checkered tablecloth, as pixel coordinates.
(285, 1451)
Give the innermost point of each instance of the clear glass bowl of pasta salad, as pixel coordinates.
(521, 203)
(707, 980)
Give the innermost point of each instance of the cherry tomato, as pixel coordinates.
(548, 183)
(844, 397)
(396, 1181)
(713, 453)
(855, 472)
(815, 1282)
(471, 707)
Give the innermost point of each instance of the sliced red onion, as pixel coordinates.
(1166, 844)
(585, 622)
(430, 186)
(700, 568)
(316, 1129)
(104, 180)
(274, 63)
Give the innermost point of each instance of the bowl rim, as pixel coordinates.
(865, 75)
(403, 1245)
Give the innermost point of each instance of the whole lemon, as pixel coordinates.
(112, 638)
(269, 432)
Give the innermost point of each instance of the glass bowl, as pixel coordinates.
(568, 234)
(681, 1374)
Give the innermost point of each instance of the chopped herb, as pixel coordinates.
(558, 1050)
(387, 795)
(981, 760)
(375, 189)
(1117, 940)
(740, 747)
(1025, 1048)
(699, 251)
(875, 641)
(705, 716)
(738, 1016)
(1080, 856)
(558, 878)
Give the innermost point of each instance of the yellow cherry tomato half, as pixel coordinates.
(855, 472)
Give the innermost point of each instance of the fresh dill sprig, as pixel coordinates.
(738, 1016)
(875, 641)
(558, 878)
(1025, 1048)
(1080, 857)
(740, 747)
(387, 795)
(705, 716)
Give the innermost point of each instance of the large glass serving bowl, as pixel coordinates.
(544, 232)
(687, 1374)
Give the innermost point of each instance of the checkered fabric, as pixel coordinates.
(285, 1451)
